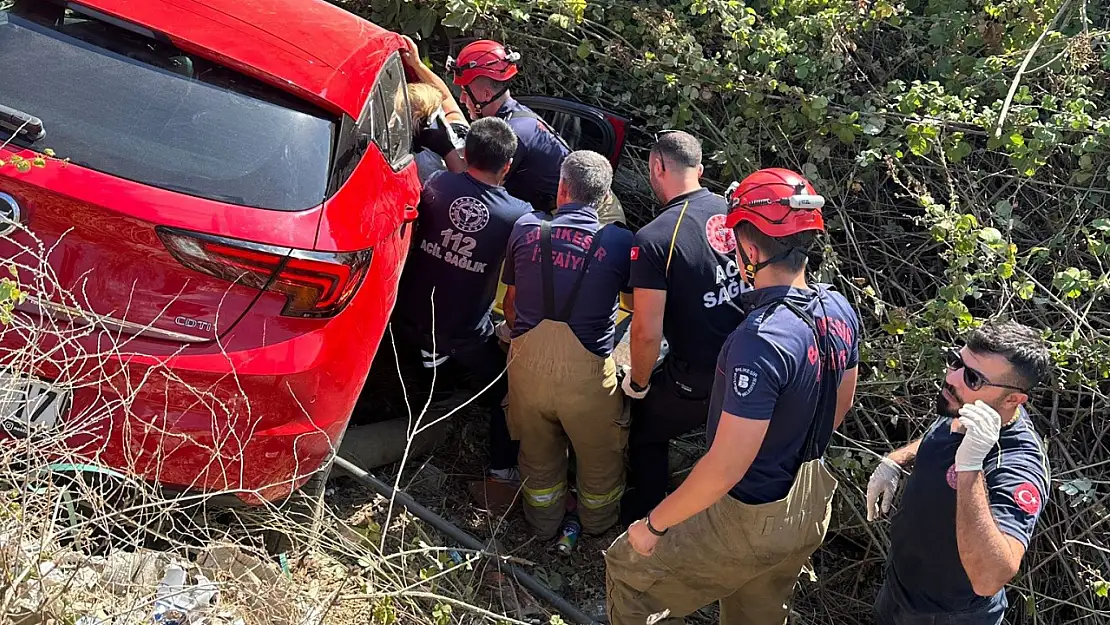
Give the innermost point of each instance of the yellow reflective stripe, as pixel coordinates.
(544, 497)
(593, 502)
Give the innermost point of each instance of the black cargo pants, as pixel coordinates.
(676, 403)
(474, 365)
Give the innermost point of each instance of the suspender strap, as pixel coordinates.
(569, 306)
(824, 413)
(547, 267)
(530, 114)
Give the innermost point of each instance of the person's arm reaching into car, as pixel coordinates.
(411, 56)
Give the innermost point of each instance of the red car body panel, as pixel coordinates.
(246, 400)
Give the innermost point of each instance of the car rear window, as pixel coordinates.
(118, 100)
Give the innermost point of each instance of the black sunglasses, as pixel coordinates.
(659, 135)
(973, 378)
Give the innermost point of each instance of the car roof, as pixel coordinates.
(309, 47)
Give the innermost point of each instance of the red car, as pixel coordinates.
(225, 223)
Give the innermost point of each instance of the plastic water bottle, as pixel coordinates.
(571, 529)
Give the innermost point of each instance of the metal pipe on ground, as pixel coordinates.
(464, 539)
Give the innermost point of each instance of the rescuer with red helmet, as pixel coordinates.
(753, 509)
(484, 70)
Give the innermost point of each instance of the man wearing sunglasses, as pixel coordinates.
(687, 288)
(979, 483)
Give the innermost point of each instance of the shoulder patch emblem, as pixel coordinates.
(468, 214)
(1028, 498)
(744, 380)
(721, 239)
(635, 253)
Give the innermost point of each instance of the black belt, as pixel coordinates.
(689, 367)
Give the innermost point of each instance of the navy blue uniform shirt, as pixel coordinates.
(594, 317)
(925, 573)
(702, 282)
(459, 245)
(534, 176)
(768, 370)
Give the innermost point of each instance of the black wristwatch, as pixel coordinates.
(636, 387)
(651, 528)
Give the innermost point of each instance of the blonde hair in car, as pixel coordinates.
(424, 100)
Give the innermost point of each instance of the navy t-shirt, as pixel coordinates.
(594, 316)
(768, 370)
(926, 575)
(459, 245)
(703, 284)
(534, 176)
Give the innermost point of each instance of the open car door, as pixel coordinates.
(584, 127)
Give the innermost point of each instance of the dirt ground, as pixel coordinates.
(441, 482)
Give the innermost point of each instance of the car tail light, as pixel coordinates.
(315, 284)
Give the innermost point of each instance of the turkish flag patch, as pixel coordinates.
(1028, 498)
(635, 253)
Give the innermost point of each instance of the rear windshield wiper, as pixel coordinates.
(21, 124)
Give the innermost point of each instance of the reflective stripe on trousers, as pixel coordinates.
(544, 497)
(595, 502)
(560, 393)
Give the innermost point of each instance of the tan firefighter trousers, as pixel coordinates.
(747, 557)
(558, 390)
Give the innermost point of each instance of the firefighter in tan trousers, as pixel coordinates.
(564, 274)
(745, 521)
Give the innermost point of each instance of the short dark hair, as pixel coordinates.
(773, 246)
(680, 148)
(1022, 346)
(490, 144)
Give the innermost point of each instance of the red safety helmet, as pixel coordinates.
(483, 58)
(778, 202)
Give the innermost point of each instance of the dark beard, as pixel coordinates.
(942, 403)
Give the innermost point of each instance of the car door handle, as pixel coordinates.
(410, 213)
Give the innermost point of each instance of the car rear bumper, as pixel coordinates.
(253, 423)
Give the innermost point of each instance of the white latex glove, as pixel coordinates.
(881, 488)
(503, 332)
(626, 385)
(983, 425)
